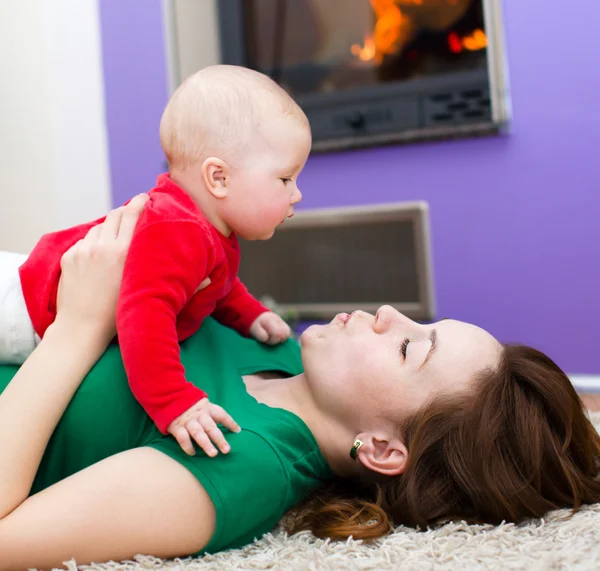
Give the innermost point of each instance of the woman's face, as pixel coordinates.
(389, 366)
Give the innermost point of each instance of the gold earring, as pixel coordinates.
(354, 450)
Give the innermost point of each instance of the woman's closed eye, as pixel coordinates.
(404, 347)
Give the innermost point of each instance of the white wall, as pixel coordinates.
(192, 37)
(53, 143)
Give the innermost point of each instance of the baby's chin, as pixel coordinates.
(256, 235)
(267, 236)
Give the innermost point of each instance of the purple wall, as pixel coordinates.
(515, 219)
(135, 84)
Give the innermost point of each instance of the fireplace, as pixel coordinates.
(371, 72)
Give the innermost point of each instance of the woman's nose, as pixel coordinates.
(387, 317)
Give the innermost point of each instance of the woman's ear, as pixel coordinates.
(215, 176)
(382, 454)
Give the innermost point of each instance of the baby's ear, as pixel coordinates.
(215, 175)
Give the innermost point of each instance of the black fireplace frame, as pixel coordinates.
(461, 104)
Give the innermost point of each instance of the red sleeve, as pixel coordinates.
(165, 263)
(238, 309)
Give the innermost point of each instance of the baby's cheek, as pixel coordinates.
(270, 217)
(277, 210)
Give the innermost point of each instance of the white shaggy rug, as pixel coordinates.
(556, 542)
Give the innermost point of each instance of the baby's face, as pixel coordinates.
(264, 187)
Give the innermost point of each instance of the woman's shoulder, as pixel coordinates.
(273, 464)
(248, 486)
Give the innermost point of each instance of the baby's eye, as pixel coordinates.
(286, 180)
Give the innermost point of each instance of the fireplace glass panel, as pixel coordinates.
(366, 72)
(320, 46)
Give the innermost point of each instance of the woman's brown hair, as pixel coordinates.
(517, 447)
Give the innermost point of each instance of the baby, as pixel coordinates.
(235, 143)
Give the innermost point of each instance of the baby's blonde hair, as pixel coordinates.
(219, 110)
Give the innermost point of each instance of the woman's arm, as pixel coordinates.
(139, 501)
(34, 401)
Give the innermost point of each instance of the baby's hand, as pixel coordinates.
(269, 328)
(200, 423)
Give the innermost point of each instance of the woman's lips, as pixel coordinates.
(343, 318)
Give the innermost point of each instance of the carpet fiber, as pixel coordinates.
(555, 542)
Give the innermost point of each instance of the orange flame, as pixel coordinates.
(385, 37)
(366, 52)
(475, 41)
(390, 27)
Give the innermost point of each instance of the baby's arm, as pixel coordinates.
(165, 264)
(244, 313)
(239, 309)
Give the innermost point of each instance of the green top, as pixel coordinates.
(274, 461)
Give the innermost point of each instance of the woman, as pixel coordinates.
(390, 421)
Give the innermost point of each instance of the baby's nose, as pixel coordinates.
(296, 196)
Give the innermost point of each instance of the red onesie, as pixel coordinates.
(174, 249)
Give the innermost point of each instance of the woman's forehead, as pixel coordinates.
(466, 347)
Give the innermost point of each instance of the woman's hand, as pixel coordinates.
(92, 270)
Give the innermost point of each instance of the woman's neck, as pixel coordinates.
(293, 394)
